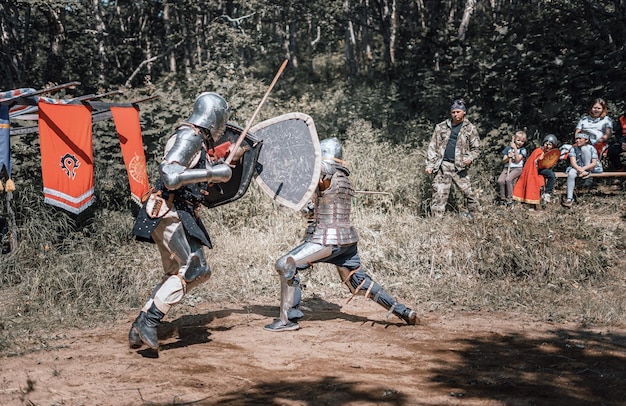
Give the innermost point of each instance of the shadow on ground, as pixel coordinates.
(564, 367)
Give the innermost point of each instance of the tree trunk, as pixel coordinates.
(168, 36)
(387, 22)
(290, 34)
(421, 12)
(470, 5)
(198, 35)
(393, 29)
(314, 32)
(620, 7)
(367, 41)
(350, 44)
(56, 33)
(100, 35)
(9, 41)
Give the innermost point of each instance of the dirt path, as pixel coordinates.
(347, 356)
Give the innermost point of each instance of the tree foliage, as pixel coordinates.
(397, 63)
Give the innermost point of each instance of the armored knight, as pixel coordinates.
(169, 216)
(330, 238)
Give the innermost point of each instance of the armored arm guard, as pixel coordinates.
(175, 175)
(182, 154)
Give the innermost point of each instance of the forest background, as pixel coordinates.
(378, 75)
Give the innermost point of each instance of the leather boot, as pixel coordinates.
(145, 328)
(134, 341)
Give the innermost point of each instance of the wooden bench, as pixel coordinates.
(595, 175)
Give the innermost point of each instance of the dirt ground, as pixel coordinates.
(342, 355)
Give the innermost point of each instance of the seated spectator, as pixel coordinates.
(598, 125)
(513, 157)
(583, 159)
(618, 146)
(537, 172)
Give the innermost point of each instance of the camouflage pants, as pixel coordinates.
(441, 189)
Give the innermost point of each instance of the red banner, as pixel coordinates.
(129, 133)
(65, 135)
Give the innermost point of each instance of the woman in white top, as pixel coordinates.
(597, 124)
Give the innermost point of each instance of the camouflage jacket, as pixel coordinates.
(467, 145)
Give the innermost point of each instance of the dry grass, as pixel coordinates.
(555, 264)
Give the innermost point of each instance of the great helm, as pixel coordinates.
(551, 138)
(331, 153)
(210, 111)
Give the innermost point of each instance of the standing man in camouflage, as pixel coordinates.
(453, 147)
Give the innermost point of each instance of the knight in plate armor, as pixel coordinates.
(169, 216)
(330, 238)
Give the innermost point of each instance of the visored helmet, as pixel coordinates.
(551, 138)
(210, 111)
(331, 149)
(331, 154)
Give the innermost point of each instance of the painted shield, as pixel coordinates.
(550, 158)
(243, 172)
(289, 164)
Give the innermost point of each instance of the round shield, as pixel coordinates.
(550, 159)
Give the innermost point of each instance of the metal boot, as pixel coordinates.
(289, 295)
(410, 317)
(145, 328)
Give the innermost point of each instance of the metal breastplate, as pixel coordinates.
(332, 225)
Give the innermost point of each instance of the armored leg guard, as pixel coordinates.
(144, 329)
(289, 298)
(361, 283)
(290, 295)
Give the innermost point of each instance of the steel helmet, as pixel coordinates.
(210, 111)
(331, 149)
(332, 154)
(551, 138)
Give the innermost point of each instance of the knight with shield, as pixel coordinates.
(330, 236)
(192, 174)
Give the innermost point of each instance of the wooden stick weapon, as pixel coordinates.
(371, 192)
(243, 134)
(95, 96)
(145, 99)
(508, 167)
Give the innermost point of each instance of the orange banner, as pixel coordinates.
(66, 145)
(129, 132)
